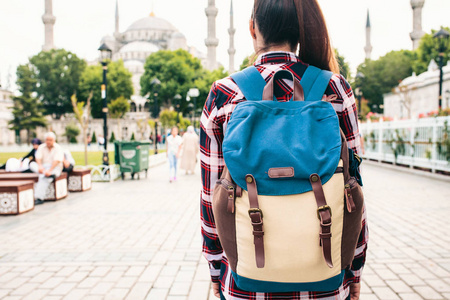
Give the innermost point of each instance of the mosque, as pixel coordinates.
(142, 38)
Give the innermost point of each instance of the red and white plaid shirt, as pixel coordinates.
(222, 99)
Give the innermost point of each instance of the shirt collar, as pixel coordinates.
(276, 57)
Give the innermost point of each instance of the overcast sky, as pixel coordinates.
(81, 24)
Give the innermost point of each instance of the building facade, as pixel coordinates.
(7, 136)
(418, 94)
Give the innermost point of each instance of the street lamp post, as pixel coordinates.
(442, 38)
(177, 99)
(194, 93)
(105, 56)
(156, 84)
(359, 77)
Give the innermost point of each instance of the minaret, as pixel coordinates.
(417, 33)
(211, 42)
(231, 32)
(368, 47)
(116, 31)
(49, 20)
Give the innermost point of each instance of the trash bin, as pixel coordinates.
(132, 157)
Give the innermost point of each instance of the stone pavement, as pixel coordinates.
(141, 240)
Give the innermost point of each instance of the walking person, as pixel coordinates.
(287, 35)
(49, 165)
(174, 142)
(190, 150)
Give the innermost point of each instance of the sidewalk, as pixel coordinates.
(141, 240)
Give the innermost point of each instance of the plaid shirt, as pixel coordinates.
(222, 99)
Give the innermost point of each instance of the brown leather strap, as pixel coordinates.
(256, 217)
(351, 207)
(298, 89)
(344, 157)
(324, 214)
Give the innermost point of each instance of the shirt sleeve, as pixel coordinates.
(38, 153)
(345, 107)
(211, 136)
(28, 155)
(59, 155)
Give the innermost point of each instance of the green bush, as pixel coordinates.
(113, 137)
(72, 131)
(94, 138)
(133, 138)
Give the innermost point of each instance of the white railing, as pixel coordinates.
(420, 143)
(111, 173)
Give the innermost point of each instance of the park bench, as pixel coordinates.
(80, 180)
(57, 190)
(16, 197)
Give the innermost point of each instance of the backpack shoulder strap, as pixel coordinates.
(250, 82)
(315, 82)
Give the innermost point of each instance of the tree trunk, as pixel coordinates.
(85, 146)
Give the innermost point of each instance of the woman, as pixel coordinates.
(174, 142)
(287, 34)
(190, 150)
(23, 165)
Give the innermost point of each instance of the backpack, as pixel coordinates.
(287, 212)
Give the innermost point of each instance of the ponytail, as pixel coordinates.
(297, 22)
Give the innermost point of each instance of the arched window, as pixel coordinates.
(133, 107)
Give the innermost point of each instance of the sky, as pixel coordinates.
(81, 24)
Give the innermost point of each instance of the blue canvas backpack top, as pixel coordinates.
(287, 211)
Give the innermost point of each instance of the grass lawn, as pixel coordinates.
(94, 157)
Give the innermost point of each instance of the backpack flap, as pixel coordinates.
(269, 137)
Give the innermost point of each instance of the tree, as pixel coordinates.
(344, 68)
(27, 110)
(133, 138)
(58, 74)
(117, 110)
(82, 115)
(113, 138)
(72, 131)
(177, 70)
(94, 138)
(428, 50)
(119, 85)
(168, 119)
(381, 75)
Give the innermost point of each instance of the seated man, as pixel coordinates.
(49, 158)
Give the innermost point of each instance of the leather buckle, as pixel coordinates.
(323, 208)
(255, 211)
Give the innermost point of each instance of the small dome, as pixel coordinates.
(133, 63)
(178, 35)
(151, 23)
(109, 41)
(139, 46)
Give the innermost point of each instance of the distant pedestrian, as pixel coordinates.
(174, 142)
(190, 150)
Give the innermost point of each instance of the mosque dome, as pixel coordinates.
(139, 46)
(138, 50)
(152, 23)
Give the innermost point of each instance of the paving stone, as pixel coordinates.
(37, 294)
(158, 294)
(398, 286)
(385, 293)
(102, 288)
(427, 292)
(117, 294)
(76, 294)
(139, 291)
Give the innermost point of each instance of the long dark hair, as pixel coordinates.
(297, 23)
